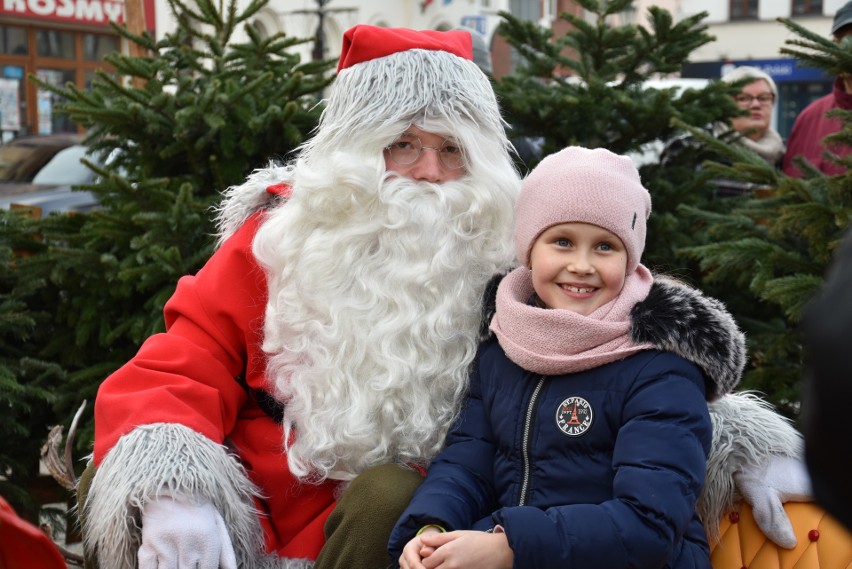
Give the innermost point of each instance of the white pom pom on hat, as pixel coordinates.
(581, 185)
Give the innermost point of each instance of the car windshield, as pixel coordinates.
(66, 169)
(19, 163)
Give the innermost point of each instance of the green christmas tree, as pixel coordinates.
(180, 124)
(26, 392)
(592, 86)
(776, 249)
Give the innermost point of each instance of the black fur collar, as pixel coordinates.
(679, 319)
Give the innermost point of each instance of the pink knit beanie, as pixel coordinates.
(587, 186)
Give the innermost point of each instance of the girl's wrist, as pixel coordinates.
(436, 527)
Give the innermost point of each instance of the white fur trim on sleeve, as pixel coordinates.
(746, 431)
(171, 459)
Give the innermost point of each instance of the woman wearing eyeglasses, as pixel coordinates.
(757, 99)
(751, 129)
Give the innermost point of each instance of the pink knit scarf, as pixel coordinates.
(556, 341)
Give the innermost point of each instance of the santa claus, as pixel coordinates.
(314, 364)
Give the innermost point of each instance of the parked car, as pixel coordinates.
(22, 158)
(39, 172)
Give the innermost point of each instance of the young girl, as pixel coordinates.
(584, 438)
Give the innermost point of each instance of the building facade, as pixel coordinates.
(304, 18)
(65, 40)
(59, 42)
(748, 33)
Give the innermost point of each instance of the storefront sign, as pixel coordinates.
(97, 12)
(781, 70)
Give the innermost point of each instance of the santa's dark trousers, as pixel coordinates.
(358, 529)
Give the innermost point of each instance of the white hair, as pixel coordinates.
(374, 309)
(376, 281)
(373, 102)
(744, 72)
(370, 100)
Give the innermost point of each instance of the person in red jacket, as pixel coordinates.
(812, 125)
(316, 361)
(331, 331)
(23, 545)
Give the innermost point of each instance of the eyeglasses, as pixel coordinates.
(746, 100)
(406, 149)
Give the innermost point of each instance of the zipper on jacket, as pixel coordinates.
(525, 441)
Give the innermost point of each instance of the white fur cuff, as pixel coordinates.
(747, 432)
(166, 459)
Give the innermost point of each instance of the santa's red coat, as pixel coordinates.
(187, 375)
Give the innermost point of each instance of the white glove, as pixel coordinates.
(177, 534)
(767, 486)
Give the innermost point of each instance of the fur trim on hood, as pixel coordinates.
(680, 319)
(243, 200)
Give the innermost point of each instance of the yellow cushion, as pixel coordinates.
(823, 543)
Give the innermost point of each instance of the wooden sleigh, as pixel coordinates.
(823, 543)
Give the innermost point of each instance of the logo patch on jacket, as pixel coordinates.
(574, 416)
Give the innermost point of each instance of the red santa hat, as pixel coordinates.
(389, 78)
(363, 43)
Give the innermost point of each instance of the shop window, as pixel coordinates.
(97, 46)
(525, 10)
(261, 28)
(806, 8)
(13, 40)
(629, 15)
(49, 121)
(12, 99)
(55, 43)
(55, 56)
(743, 9)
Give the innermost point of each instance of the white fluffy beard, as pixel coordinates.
(375, 299)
